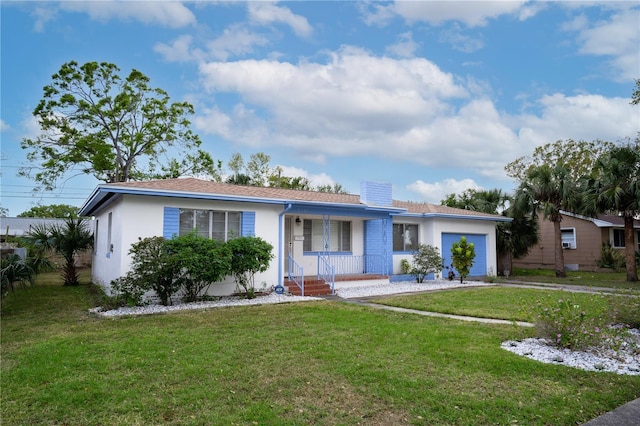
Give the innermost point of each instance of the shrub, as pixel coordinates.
(405, 266)
(462, 255)
(14, 270)
(568, 325)
(199, 263)
(426, 260)
(154, 268)
(127, 291)
(249, 255)
(610, 258)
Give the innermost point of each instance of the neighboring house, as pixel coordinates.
(582, 239)
(313, 233)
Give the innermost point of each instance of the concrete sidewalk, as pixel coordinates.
(626, 415)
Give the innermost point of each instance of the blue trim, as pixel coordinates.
(171, 222)
(248, 227)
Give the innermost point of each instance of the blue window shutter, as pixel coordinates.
(171, 222)
(248, 224)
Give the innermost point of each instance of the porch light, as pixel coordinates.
(298, 221)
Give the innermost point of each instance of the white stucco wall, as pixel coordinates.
(135, 217)
(431, 230)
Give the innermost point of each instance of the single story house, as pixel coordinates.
(582, 240)
(320, 234)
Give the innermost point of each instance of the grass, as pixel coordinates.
(508, 303)
(291, 364)
(582, 278)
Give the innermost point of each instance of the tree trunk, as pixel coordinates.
(560, 272)
(630, 248)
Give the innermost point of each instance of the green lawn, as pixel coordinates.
(583, 278)
(292, 364)
(508, 303)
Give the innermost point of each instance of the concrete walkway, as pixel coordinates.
(625, 415)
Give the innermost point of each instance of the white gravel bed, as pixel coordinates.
(222, 302)
(403, 287)
(621, 362)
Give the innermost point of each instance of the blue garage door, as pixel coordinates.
(479, 267)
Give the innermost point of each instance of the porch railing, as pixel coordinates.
(326, 272)
(296, 273)
(354, 265)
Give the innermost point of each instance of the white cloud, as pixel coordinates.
(471, 13)
(171, 14)
(315, 179)
(586, 117)
(617, 37)
(400, 109)
(437, 191)
(4, 126)
(179, 50)
(459, 41)
(405, 47)
(235, 41)
(265, 13)
(42, 15)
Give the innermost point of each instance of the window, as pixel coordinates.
(568, 238)
(638, 240)
(405, 237)
(109, 230)
(218, 225)
(339, 235)
(618, 238)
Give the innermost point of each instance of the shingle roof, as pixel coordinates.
(199, 186)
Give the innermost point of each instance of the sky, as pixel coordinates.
(433, 97)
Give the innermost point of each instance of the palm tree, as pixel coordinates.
(548, 189)
(66, 240)
(614, 186)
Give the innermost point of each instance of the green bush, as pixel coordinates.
(568, 325)
(127, 291)
(610, 258)
(426, 260)
(249, 255)
(463, 254)
(200, 262)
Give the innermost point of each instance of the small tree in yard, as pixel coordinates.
(250, 255)
(66, 240)
(200, 261)
(462, 255)
(426, 260)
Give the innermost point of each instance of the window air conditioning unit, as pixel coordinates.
(566, 245)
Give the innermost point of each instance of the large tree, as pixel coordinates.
(549, 189)
(51, 211)
(115, 128)
(577, 157)
(614, 187)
